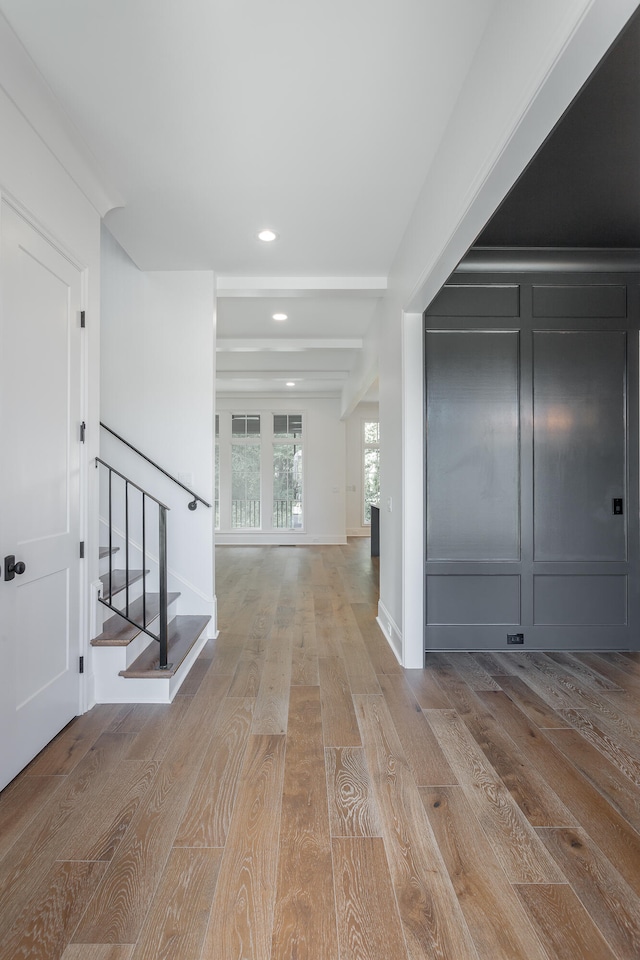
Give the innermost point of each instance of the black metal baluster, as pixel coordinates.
(110, 545)
(144, 561)
(126, 547)
(162, 551)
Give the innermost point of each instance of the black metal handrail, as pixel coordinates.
(162, 636)
(193, 504)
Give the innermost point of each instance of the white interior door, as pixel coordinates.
(40, 406)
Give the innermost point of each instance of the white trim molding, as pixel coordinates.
(391, 630)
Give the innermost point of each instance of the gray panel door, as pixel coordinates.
(532, 449)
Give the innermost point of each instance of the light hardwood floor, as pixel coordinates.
(304, 798)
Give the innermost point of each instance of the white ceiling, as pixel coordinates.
(215, 118)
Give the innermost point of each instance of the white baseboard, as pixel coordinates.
(391, 630)
(212, 629)
(256, 539)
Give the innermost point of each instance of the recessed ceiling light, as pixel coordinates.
(267, 236)
(279, 316)
(290, 383)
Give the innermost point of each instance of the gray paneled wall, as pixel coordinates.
(532, 462)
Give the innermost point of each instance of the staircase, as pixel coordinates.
(143, 652)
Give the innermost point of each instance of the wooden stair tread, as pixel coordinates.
(117, 632)
(104, 552)
(119, 581)
(183, 633)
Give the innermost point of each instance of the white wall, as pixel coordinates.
(34, 178)
(324, 469)
(355, 477)
(530, 63)
(157, 391)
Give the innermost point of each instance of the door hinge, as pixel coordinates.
(82, 549)
(81, 665)
(83, 430)
(83, 319)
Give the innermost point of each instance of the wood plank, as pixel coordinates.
(98, 951)
(619, 669)
(621, 753)
(20, 801)
(183, 631)
(527, 787)
(304, 661)
(23, 867)
(117, 581)
(545, 682)
(246, 679)
(480, 883)
(360, 670)
(194, 678)
(338, 714)
(380, 653)
(327, 642)
(615, 837)
(618, 789)
(207, 816)
(514, 841)
(60, 756)
(533, 706)
(97, 834)
(591, 678)
(432, 920)
(427, 690)
(352, 809)
(116, 912)
(43, 929)
(94, 722)
(242, 912)
(226, 656)
(178, 915)
(272, 702)
(369, 927)
(614, 723)
(609, 901)
(472, 672)
(304, 916)
(162, 723)
(562, 924)
(421, 748)
(489, 663)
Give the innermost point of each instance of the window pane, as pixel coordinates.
(245, 425)
(279, 425)
(371, 480)
(287, 425)
(287, 485)
(217, 425)
(372, 432)
(245, 485)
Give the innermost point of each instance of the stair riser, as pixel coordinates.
(110, 688)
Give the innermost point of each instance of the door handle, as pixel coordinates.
(11, 568)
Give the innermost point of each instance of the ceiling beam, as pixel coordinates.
(300, 286)
(280, 345)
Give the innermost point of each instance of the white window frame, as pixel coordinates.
(246, 441)
(266, 442)
(299, 442)
(364, 447)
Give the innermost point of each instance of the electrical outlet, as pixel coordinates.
(515, 638)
